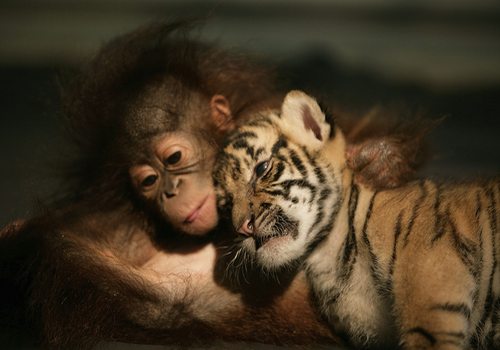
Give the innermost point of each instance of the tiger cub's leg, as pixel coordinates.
(433, 296)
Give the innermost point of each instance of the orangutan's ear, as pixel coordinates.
(221, 116)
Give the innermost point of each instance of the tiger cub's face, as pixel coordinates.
(280, 176)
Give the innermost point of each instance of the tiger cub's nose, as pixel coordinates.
(247, 227)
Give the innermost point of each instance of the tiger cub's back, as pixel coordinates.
(427, 253)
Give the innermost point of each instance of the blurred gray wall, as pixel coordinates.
(443, 44)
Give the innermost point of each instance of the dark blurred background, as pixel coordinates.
(441, 57)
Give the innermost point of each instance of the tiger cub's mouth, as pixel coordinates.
(272, 225)
(261, 241)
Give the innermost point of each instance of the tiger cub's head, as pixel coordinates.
(280, 176)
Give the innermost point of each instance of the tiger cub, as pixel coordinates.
(415, 266)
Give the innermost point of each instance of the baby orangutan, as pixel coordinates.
(111, 260)
(131, 251)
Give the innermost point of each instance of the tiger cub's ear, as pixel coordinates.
(303, 119)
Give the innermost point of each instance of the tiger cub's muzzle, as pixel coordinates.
(268, 224)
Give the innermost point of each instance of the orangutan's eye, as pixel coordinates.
(174, 158)
(149, 181)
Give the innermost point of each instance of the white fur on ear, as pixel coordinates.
(306, 116)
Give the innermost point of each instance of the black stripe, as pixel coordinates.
(240, 143)
(264, 206)
(280, 168)
(317, 169)
(462, 309)
(458, 340)
(247, 161)
(325, 193)
(280, 158)
(492, 210)
(244, 144)
(243, 135)
(374, 259)
(353, 205)
(480, 263)
(368, 216)
(298, 163)
(465, 249)
(281, 143)
(260, 120)
(319, 175)
(232, 162)
(350, 244)
(495, 317)
(488, 304)
(283, 221)
(439, 223)
(416, 210)
(288, 184)
(331, 299)
(322, 233)
(479, 206)
(259, 152)
(321, 210)
(276, 193)
(365, 225)
(494, 225)
(425, 333)
(397, 233)
(328, 227)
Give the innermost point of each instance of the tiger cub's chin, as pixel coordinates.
(275, 253)
(273, 242)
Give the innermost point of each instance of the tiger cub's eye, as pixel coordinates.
(149, 181)
(261, 168)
